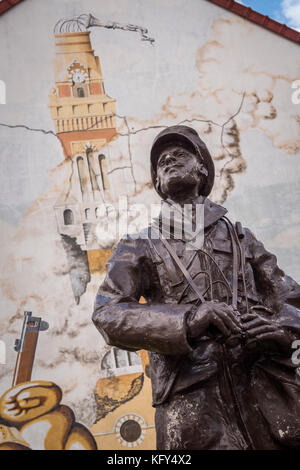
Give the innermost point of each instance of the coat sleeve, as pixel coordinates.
(293, 287)
(272, 285)
(269, 278)
(128, 324)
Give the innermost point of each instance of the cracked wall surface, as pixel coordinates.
(78, 265)
(227, 78)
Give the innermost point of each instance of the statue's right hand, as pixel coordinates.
(216, 314)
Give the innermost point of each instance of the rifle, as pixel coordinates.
(26, 346)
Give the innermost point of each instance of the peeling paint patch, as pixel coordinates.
(109, 396)
(78, 266)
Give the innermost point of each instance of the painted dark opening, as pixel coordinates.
(68, 217)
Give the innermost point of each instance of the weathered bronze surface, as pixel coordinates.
(219, 322)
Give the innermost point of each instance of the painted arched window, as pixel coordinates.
(90, 160)
(103, 171)
(88, 214)
(68, 217)
(83, 173)
(80, 92)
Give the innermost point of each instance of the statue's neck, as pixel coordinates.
(190, 199)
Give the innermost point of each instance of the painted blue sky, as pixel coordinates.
(284, 11)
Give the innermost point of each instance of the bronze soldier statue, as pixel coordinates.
(218, 323)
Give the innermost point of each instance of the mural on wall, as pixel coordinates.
(84, 21)
(54, 258)
(31, 416)
(125, 417)
(85, 121)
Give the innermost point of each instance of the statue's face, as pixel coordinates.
(177, 169)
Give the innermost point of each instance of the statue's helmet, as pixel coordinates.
(188, 138)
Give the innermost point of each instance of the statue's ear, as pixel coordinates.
(157, 186)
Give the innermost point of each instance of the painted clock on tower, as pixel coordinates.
(81, 110)
(77, 72)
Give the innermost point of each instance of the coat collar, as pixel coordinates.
(212, 211)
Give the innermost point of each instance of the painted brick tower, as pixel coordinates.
(80, 108)
(85, 122)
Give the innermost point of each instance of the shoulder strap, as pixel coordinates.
(159, 255)
(237, 247)
(235, 262)
(182, 268)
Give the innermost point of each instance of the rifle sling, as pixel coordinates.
(182, 268)
(235, 265)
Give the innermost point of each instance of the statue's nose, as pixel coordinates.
(169, 158)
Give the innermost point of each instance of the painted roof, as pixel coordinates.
(7, 4)
(230, 5)
(258, 18)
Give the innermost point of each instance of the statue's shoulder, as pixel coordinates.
(244, 234)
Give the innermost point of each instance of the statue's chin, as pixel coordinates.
(170, 189)
(177, 184)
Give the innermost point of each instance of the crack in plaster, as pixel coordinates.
(136, 131)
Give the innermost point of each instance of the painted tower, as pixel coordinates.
(85, 122)
(81, 110)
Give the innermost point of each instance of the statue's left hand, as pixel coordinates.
(261, 330)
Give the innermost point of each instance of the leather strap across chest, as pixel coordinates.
(236, 260)
(182, 268)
